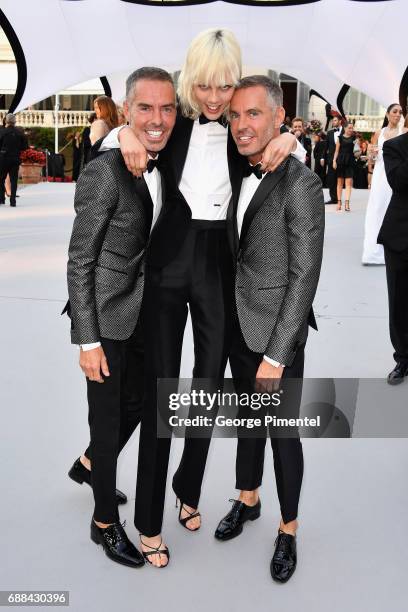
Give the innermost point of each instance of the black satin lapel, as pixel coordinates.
(141, 189)
(179, 146)
(267, 184)
(236, 164)
(163, 209)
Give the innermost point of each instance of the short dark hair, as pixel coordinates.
(298, 119)
(148, 73)
(273, 90)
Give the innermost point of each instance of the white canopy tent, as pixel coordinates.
(324, 43)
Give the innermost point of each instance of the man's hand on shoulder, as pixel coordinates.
(268, 377)
(93, 363)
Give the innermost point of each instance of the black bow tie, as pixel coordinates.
(337, 129)
(203, 120)
(254, 170)
(152, 164)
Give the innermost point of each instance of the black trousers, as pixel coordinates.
(9, 166)
(397, 281)
(199, 278)
(287, 452)
(115, 410)
(331, 181)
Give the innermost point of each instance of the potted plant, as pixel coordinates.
(32, 163)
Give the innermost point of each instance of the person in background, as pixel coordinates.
(286, 125)
(361, 170)
(298, 129)
(318, 159)
(331, 140)
(107, 118)
(86, 142)
(12, 142)
(380, 193)
(394, 238)
(344, 163)
(7, 184)
(121, 116)
(76, 155)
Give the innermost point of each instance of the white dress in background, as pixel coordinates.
(380, 196)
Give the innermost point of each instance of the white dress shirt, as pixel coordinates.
(205, 181)
(153, 182)
(249, 185)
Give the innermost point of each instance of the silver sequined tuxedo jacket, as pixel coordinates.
(278, 260)
(106, 252)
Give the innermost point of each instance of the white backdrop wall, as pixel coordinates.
(324, 44)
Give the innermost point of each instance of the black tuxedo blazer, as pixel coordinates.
(330, 146)
(319, 152)
(171, 228)
(12, 142)
(394, 230)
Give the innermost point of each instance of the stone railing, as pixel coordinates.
(366, 123)
(38, 118)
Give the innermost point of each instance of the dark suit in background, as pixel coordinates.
(12, 142)
(331, 179)
(318, 155)
(394, 236)
(86, 145)
(307, 145)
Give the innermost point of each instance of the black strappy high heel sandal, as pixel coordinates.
(155, 551)
(184, 521)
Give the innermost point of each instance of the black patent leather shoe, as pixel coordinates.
(233, 523)
(284, 560)
(116, 544)
(80, 474)
(398, 374)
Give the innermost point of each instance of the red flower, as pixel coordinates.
(31, 156)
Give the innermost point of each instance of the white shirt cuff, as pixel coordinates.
(300, 152)
(90, 346)
(276, 364)
(111, 141)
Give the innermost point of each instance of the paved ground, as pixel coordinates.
(352, 543)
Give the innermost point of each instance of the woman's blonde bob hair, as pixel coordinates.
(213, 57)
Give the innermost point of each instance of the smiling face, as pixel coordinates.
(254, 120)
(213, 100)
(151, 112)
(394, 116)
(297, 128)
